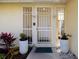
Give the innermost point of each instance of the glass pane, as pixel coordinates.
(27, 17)
(27, 22)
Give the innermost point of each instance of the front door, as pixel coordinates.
(44, 27)
(39, 26)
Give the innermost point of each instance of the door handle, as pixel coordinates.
(34, 24)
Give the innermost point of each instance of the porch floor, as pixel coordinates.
(53, 55)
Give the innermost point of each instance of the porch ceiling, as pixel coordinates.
(15, 1)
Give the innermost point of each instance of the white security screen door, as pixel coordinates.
(43, 26)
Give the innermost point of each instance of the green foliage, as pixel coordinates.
(2, 56)
(12, 52)
(22, 37)
(65, 36)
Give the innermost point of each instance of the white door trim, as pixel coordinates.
(34, 20)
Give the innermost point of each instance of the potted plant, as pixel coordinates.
(23, 44)
(8, 40)
(64, 44)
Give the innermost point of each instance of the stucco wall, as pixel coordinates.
(11, 19)
(71, 25)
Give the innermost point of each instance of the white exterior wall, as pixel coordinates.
(71, 24)
(11, 19)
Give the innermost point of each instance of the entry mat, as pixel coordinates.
(43, 50)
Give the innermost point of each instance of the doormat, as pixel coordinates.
(43, 50)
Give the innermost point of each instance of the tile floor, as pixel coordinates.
(54, 55)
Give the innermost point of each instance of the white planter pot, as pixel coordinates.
(64, 45)
(23, 47)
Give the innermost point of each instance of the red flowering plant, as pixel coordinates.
(8, 39)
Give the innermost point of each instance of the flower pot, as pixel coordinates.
(23, 47)
(64, 46)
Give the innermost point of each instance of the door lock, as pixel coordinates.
(34, 24)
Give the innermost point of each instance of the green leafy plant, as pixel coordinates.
(22, 37)
(12, 52)
(65, 36)
(2, 56)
